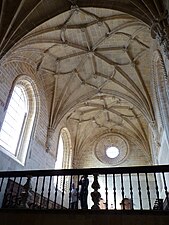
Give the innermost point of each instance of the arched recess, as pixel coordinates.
(161, 97)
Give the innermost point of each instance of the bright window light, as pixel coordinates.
(112, 152)
(13, 124)
(59, 161)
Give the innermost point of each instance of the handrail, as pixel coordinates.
(139, 187)
(87, 171)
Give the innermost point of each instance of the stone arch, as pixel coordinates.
(33, 100)
(67, 146)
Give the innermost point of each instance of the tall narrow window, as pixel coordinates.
(59, 161)
(64, 153)
(18, 123)
(14, 122)
(64, 158)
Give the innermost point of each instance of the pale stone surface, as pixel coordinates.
(98, 71)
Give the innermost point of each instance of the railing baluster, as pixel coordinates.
(106, 190)
(156, 186)
(26, 193)
(36, 186)
(148, 192)
(70, 189)
(122, 190)
(78, 177)
(63, 191)
(5, 201)
(56, 191)
(139, 191)
(49, 189)
(114, 190)
(95, 194)
(165, 188)
(43, 187)
(131, 191)
(11, 194)
(18, 192)
(1, 183)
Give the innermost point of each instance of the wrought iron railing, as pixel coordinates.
(125, 188)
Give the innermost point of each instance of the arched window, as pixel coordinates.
(59, 160)
(64, 152)
(19, 119)
(14, 122)
(64, 157)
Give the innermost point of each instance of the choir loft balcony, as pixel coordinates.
(133, 195)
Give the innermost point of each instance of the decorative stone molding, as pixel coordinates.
(156, 135)
(49, 139)
(160, 31)
(160, 79)
(158, 64)
(2, 104)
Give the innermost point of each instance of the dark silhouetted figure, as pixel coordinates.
(74, 197)
(84, 182)
(126, 204)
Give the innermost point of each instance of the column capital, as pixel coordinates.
(160, 31)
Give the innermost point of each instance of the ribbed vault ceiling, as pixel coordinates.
(95, 66)
(95, 63)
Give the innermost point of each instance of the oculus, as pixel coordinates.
(111, 149)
